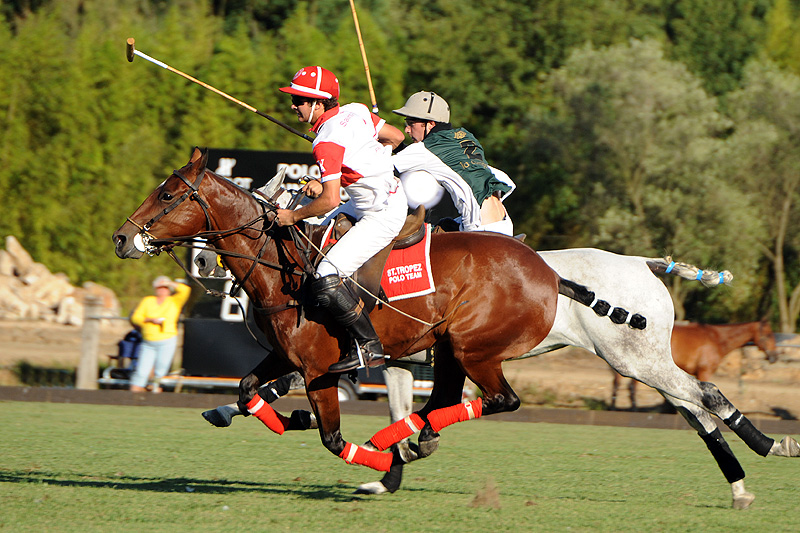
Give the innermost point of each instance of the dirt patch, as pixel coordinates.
(50, 345)
(565, 378)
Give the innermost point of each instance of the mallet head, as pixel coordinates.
(130, 48)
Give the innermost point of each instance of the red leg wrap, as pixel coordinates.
(353, 454)
(264, 412)
(441, 418)
(397, 431)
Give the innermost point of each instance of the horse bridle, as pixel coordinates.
(191, 193)
(154, 245)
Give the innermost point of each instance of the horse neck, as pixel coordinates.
(232, 207)
(732, 336)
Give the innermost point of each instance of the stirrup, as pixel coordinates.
(371, 355)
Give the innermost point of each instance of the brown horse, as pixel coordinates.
(699, 349)
(495, 299)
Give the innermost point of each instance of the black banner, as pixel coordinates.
(252, 169)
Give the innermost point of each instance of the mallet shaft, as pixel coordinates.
(195, 80)
(131, 52)
(364, 58)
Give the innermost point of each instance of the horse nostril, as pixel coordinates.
(119, 240)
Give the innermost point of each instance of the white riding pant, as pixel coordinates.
(373, 231)
(505, 226)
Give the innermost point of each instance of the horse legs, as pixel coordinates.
(675, 382)
(399, 384)
(448, 384)
(300, 419)
(252, 402)
(446, 394)
(615, 389)
(702, 422)
(485, 372)
(322, 394)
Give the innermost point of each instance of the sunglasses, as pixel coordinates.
(411, 121)
(298, 101)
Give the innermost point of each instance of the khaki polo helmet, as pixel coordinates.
(426, 105)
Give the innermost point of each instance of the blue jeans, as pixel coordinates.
(154, 356)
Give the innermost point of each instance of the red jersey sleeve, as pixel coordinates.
(377, 122)
(329, 158)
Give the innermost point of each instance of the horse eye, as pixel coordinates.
(166, 197)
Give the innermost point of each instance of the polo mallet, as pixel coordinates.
(132, 52)
(364, 57)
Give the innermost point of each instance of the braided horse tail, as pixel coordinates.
(709, 278)
(618, 315)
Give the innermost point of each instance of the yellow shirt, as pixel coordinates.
(169, 310)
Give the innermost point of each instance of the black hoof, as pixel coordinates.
(428, 441)
(216, 418)
(302, 420)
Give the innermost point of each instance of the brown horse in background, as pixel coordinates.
(699, 349)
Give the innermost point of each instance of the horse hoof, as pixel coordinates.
(743, 501)
(408, 452)
(218, 418)
(369, 446)
(302, 420)
(374, 487)
(788, 447)
(427, 447)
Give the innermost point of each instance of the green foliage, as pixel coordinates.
(715, 39)
(605, 113)
(781, 42)
(640, 139)
(765, 162)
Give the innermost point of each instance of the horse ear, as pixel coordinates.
(199, 159)
(275, 183)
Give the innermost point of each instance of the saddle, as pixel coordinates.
(369, 275)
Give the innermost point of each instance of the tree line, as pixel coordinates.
(649, 127)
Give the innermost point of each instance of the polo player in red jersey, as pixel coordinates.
(353, 150)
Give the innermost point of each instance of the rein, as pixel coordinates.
(153, 246)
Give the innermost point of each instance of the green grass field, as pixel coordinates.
(66, 467)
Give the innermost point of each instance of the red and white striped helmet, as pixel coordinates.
(314, 82)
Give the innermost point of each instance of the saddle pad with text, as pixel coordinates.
(408, 271)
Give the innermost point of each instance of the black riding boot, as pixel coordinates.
(366, 348)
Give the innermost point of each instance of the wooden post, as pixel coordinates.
(87, 373)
